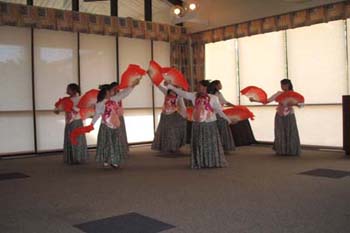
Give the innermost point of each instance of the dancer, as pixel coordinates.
(207, 151)
(73, 154)
(171, 131)
(110, 147)
(227, 140)
(287, 140)
(121, 117)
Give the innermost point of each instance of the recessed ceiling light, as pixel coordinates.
(192, 6)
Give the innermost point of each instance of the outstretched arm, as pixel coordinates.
(122, 94)
(185, 94)
(164, 90)
(222, 100)
(273, 97)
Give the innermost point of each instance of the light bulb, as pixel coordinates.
(192, 6)
(177, 11)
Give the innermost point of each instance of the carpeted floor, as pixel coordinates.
(258, 193)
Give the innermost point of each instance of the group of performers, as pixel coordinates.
(211, 136)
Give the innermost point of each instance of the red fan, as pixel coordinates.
(239, 113)
(256, 93)
(189, 113)
(155, 73)
(79, 131)
(175, 77)
(290, 98)
(64, 104)
(131, 75)
(87, 104)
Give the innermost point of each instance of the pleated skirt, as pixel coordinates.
(110, 147)
(287, 140)
(225, 132)
(74, 154)
(207, 150)
(123, 132)
(171, 133)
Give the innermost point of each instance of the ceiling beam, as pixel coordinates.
(176, 2)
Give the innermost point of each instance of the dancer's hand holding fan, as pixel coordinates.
(255, 94)
(155, 73)
(131, 76)
(64, 104)
(238, 113)
(175, 77)
(87, 104)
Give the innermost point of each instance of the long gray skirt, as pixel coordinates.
(207, 151)
(74, 154)
(171, 133)
(225, 132)
(287, 140)
(110, 148)
(123, 132)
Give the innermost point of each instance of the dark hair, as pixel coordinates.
(103, 92)
(74, 87)
(168, 92)
(287, 82)
(114, 84)
(204, 83)
(213, 89)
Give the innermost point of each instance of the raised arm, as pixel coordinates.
(185, 94)
(122, 94)
(164, 90)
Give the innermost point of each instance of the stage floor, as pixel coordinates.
(259, 192)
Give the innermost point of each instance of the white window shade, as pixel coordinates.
(139, 125)
(136, 51)
(221, 64)
(317, 61)
(55, 61)
(15, 67)
(262, 62)
(17, 133)
(97, 61)
(161, 54)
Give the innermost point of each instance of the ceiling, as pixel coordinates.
(212, 13)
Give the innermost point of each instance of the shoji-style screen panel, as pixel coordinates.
(97, 60)
(317, 61)
(17, 132)
(55, 62)
(139, 125)
(221, 64)
(15, 68)
(318, 125)
(161, 54)
(50, 131)
(136, 51)
(262, 62)
(97, 66)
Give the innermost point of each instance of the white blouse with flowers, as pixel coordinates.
(109, 109)
(205, 106)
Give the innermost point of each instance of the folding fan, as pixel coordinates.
(155, 73)
(239, 113)
(258, 94)
(131, 75)
(290, 98)
(79, 131)
(175, 77)
(64, 104)
(87, 103)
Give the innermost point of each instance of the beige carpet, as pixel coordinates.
(258, 193)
